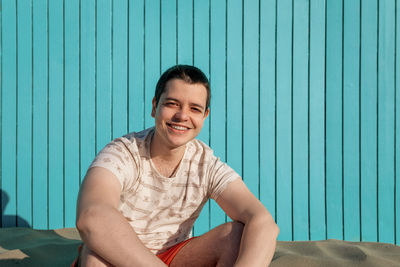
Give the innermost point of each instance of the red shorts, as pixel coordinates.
(169, 255)
(166, 256)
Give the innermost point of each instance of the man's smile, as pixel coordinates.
(177, 126)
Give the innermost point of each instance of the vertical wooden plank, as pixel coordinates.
(71, 110)
(397, 127)
(1, 120)
(9, 113)
(218, 101)
(119, 69)
(300, 120)
(201, 53)
(185, 32)
(334, 212)
(369, 32)
(152, 55)
(201, 60)
(168, 34)
(284, 119)
(24, 111)
(136, 65)
(56, 129)
(40, 115)
(351, 121)
(234, 82)
(267, 104)
(103, 73)
(87, 85)
(317, 200)
(386, 143)
(251, 96)
(234, 85)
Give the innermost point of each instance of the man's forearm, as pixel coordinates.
(258, 243)
(106, 232)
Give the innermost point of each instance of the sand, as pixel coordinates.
(27, 247)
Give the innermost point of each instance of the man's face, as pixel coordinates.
(180, 113)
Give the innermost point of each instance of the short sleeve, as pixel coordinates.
(220, 176)
(120, 160)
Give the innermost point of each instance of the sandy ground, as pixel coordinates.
(27, 247)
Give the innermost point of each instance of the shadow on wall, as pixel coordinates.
(23, 246)
(10, 220)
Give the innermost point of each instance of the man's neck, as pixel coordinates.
(161, 152)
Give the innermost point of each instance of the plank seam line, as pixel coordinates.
(291, 120)
(377, 123)
(32, 110)
(112, 70)
(325, 182)
(342, 159)
(63, 176)
(47, 117)
(276, 63)
(177, 30)
(226, 86)
(16, 112)
(193, 30)
(144, 68)
(209, 71)
(80, 92)
(395, 121)
(95, 76)
(161, 29)
(360, 123)
(128, 67)
(1, 115)
(308, 119)
(259, 101)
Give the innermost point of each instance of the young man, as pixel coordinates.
(144, 191)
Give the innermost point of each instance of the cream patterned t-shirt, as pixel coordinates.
(162, 210)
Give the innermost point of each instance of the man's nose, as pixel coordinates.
(182, 114)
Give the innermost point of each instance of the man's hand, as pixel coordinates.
(258, 242)
(103, 228)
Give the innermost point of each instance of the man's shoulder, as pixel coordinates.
(201, 149)
(134, 142)
(135, 137)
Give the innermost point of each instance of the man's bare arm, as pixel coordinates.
(103, 228)
(258, 242)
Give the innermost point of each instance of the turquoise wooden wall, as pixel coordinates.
(304, 106)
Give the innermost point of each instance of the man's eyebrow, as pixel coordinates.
(176, 100)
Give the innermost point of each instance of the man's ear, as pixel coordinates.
(206, 113)
(153, 110)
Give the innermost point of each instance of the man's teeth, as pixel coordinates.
(179, 127)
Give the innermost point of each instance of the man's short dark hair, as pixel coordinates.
(187, 73)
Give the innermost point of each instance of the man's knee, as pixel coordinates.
(220, 245)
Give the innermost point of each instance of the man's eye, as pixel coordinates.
(196, 110)
(171, 104)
